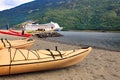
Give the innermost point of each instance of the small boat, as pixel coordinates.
(14, 61)
(15, 33)
(21, 44)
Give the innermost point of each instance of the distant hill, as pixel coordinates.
(70, 14)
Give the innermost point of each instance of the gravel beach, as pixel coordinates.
(100, 64)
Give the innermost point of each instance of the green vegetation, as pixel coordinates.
(70, 14)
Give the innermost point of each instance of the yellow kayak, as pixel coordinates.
(21, 44)
(14, 61)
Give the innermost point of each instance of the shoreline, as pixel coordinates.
(49, 40)
(78, 45)
(100, 64)
(95, 31)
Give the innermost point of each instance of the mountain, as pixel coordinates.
(70, 14)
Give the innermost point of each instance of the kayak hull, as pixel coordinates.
(20, 44)
(15, 33)
(45, 62)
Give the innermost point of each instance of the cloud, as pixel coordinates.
(7, 4)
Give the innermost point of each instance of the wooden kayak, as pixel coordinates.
(14, 61)
(9, 32)
(21, 44)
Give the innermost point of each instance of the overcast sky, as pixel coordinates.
(7, 4)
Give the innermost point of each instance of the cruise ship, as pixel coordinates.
(47, 27)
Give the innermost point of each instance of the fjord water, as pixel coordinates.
(105, 40)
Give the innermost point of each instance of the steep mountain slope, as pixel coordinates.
(71, 14)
